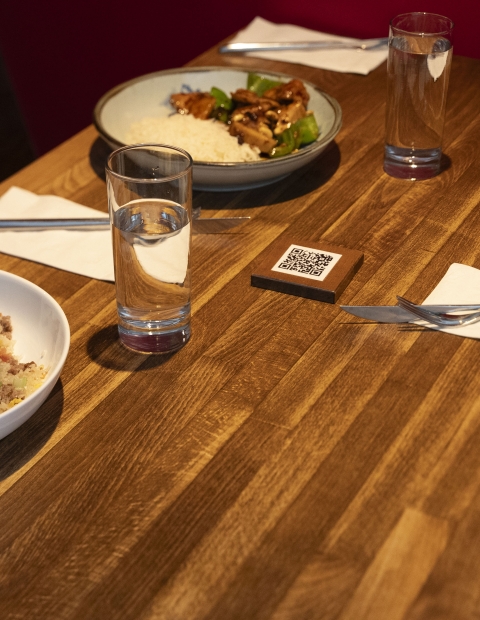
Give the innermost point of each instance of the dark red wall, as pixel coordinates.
(62, 57)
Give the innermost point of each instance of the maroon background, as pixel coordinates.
(62, 57)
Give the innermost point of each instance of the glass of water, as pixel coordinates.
(149, 189)
(419, 59)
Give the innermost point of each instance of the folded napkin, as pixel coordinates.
(460, 285)
(88, 253)
(343, 60)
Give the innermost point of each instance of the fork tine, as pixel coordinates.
(421, 313)
(441, 318)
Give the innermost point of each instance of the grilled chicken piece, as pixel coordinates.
(251, 113)
(247, 113)
(288, 115)
(200, 105)
(259, 123)
(242, 95)
(291, 91)
(252, 135)
(264, 128)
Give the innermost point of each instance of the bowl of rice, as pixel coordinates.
(34, 343)
(139, 111)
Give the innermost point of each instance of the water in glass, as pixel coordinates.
(418, 71)
(151, 242)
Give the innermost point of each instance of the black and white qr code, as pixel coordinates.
(307, 262)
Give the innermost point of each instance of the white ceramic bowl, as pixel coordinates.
(41, 334)
(149, 95)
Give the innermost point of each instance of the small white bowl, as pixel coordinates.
(41, 334)
(149, 96)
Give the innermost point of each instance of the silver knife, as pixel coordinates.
(200, 225)
(395, 314)
(366, 44)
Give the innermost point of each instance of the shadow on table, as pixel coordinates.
(26, 441)
(301, 182)
(98, 156)
(445, 163)
(105, 349)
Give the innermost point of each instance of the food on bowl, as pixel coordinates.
(269, 115)
(268, 119)
(17, 380)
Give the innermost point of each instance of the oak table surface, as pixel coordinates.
(291, 462)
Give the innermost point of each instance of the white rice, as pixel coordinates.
(205, 140)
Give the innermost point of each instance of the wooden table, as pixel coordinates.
(291, 462)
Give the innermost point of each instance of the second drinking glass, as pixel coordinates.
(419, 58)
(149, 190)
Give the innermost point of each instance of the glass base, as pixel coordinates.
(154, 342)
(412, 164)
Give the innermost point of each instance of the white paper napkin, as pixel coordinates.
(344, 61)
(88, 253)
(460, 285)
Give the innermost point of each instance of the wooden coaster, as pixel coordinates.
(312, 269)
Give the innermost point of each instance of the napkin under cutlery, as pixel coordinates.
(460, 285)
(88, 253)
(341, 60)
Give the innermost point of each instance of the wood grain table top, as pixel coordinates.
(291, 462)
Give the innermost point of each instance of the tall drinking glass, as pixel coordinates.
(149, 189)
(419, 59)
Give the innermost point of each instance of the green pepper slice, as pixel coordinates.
(304, 131)
(286, 144)
(259, 84)
(220, 115)
(307, 129)
(222, 99)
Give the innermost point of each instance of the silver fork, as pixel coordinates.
(439, 318)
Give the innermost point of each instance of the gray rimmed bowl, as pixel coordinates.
(149, 95)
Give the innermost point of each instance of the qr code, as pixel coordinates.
(307, 262)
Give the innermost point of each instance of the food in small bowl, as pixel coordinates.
(17, 379)
(36, 348)
(145, 104)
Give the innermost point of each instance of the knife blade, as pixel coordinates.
(395, 314)
(208, 225)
